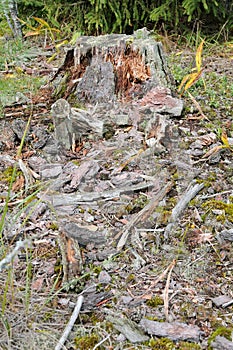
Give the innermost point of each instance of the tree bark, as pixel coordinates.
(10, 10)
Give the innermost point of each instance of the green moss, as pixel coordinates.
(130, 278)
(48, 315)
(208, 182)
(175, 176)
(183, 345)
(53, 226)
(155, 301)
(227, 209)
(7, 174)
(136, 204)
(161, 344)
(222, 331)
(86, 342)
(165, 214)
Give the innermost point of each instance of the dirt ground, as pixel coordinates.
(176, 256)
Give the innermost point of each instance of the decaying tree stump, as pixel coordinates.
(106, 67)
(106, 74)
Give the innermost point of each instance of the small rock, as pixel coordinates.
(50, 171)
(104, 277)
(227, 235)
(221, 300)
(221, 343)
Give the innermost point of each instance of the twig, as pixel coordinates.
(167, 289)
(143, 214)
(190, 193)
(160, 278)
(8, 259)
(197, 105)
(216, 194)
(101, 342)
(70, 324)
(27, 176)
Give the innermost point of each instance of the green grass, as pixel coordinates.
(14, 84)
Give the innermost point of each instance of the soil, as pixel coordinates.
(74, 207)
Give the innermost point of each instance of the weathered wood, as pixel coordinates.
(175, 331)
(62, 200)
(129, 328)
(107, 72)
(71, 123)
(143, 214)
(104, 67)
(179, 208)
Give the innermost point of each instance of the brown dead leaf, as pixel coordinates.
(18, 184)
(37, 284)
(212, 151)
(196, 236)
(208, 139)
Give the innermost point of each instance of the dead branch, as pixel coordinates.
(190, 193)
(171, 266)
(58, 200)
(143, 214)
(70, 324)
(9, 258)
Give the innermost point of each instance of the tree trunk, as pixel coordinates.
(11, 13)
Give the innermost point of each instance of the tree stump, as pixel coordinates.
(114, 77)
(112, 67)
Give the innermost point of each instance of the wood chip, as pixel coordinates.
(175, 331)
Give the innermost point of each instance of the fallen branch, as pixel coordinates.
(143, 214)
(8, 259)
(58, 200)
(190, 193)
(70, 324)
(166, 290)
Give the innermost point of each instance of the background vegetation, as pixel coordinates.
(103, 16)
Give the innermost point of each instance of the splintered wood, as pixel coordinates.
(133, 65)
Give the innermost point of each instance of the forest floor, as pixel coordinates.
(170, 268)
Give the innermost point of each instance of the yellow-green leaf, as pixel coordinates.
(193, 78)
(224, 139)
(41, 21)
(198, 56)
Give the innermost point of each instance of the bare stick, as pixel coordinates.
(167, 288)
(101, 342)
(158, 279)
(8, 259)
(190, 193)
(70, 324)
(143, 214)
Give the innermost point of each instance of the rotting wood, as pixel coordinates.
(129, 328)
(175, 331)
(142, 215)
(166, 290)
(61, 200)
(71, 257)
(190, 193)
(137, 61)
